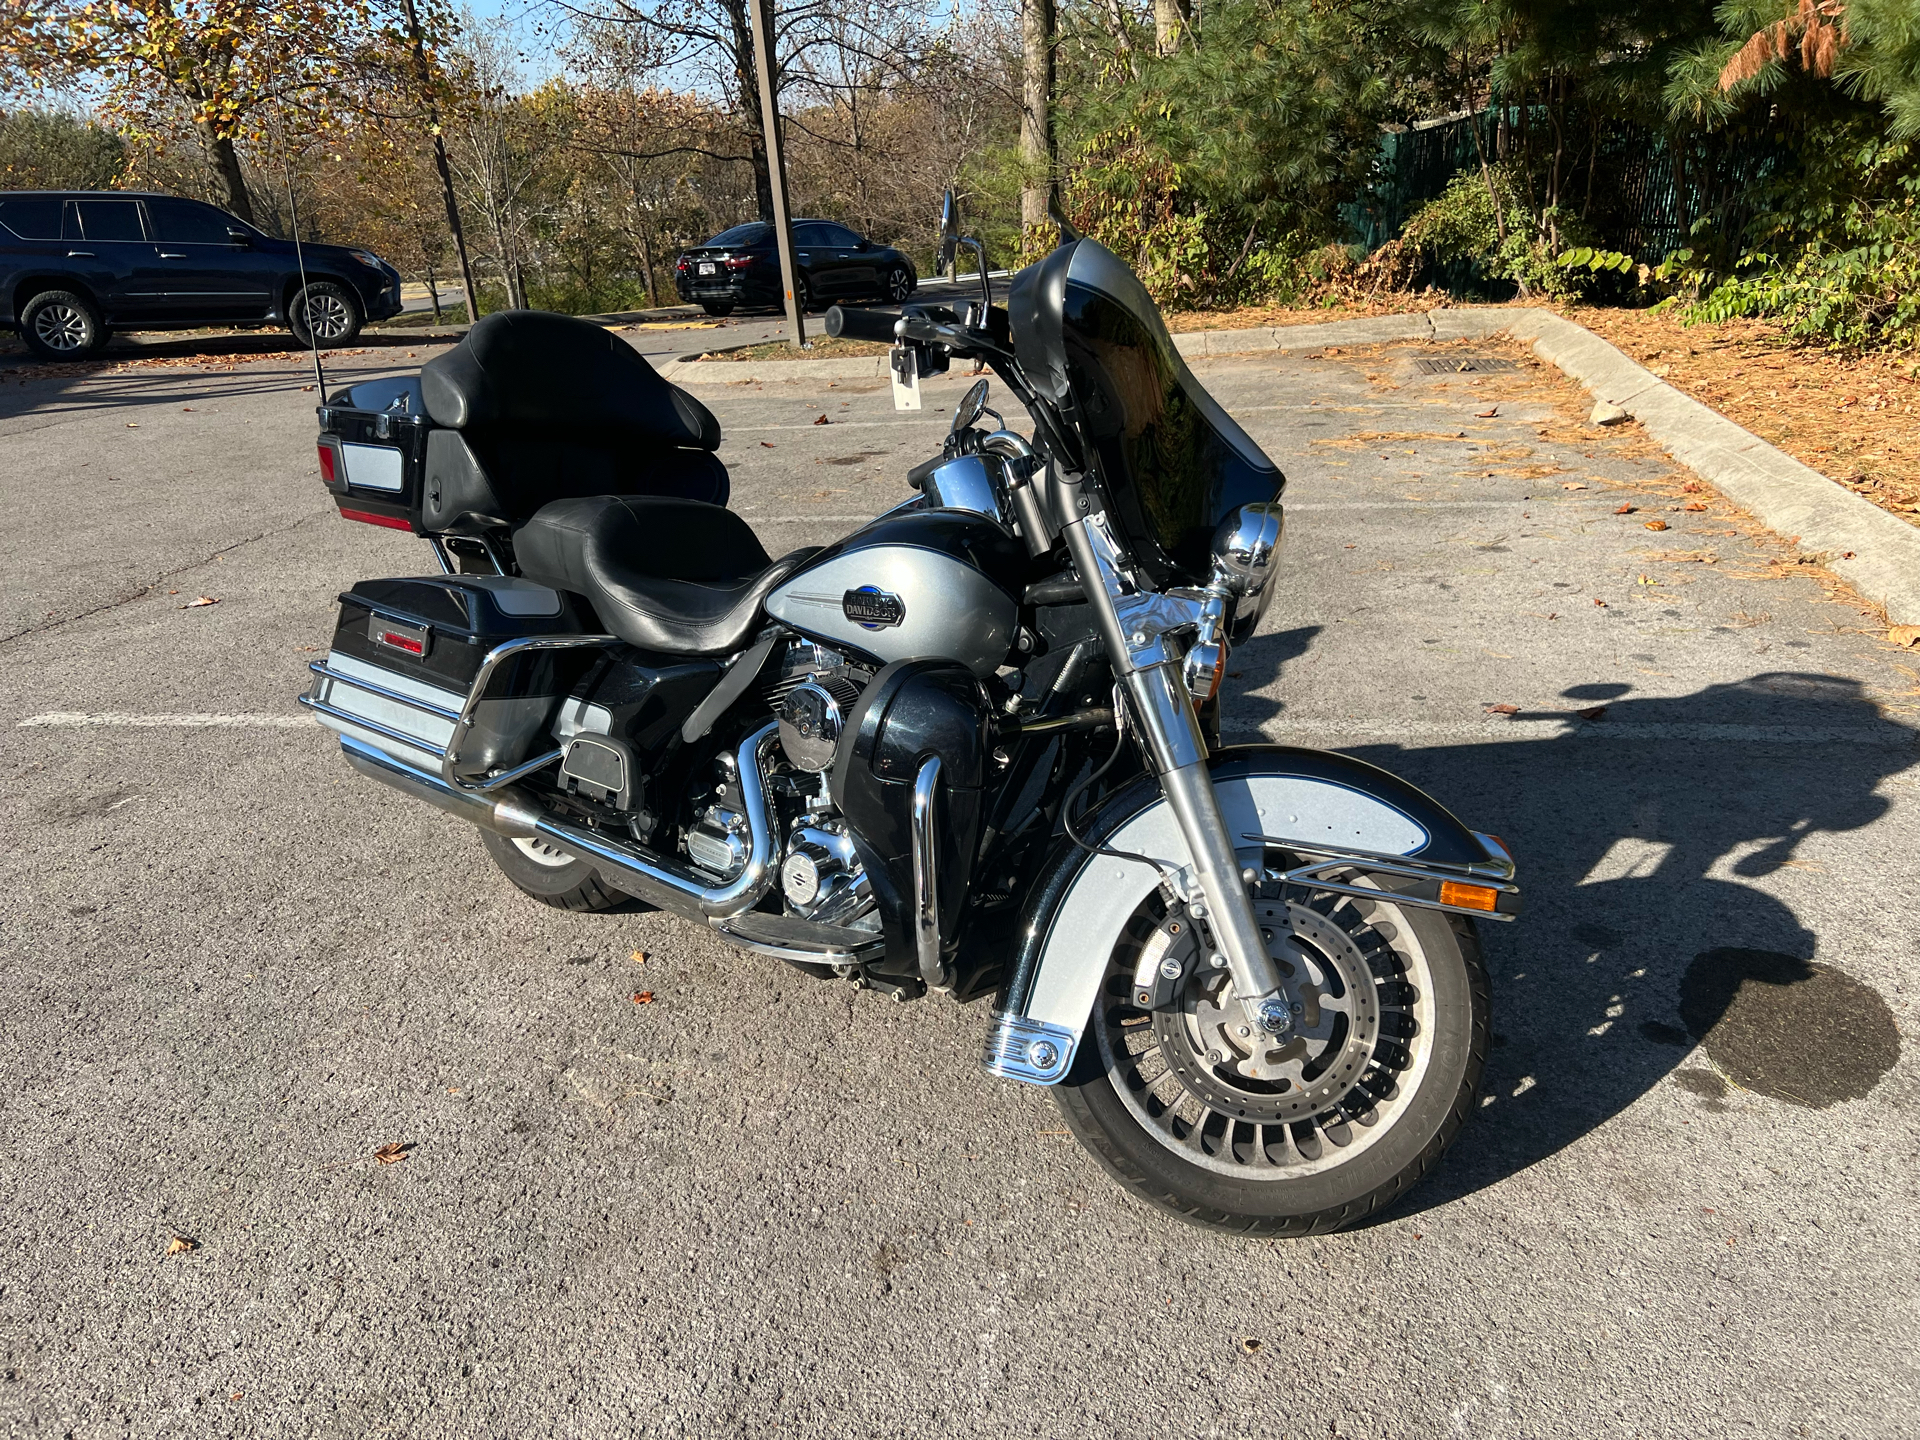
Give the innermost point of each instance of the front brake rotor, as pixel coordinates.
(1234, 1067)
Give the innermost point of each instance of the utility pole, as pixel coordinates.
(762, 12)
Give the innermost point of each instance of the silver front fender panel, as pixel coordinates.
(1037, 1046)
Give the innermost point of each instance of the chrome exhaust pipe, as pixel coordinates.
(625, 865)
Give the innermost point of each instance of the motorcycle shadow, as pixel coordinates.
(1636, 834)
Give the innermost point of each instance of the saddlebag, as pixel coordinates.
(406, 654)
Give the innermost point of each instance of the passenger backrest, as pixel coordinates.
(535, 407)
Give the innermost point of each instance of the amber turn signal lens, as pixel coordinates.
(1467, 897)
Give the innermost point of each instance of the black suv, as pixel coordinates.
(741, 266)
(76, 265)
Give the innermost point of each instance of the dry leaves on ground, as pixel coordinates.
(643, 997)
(199, 600)
(1906, 635)
(1503, 708)
(391, 1153)
(181, 1245)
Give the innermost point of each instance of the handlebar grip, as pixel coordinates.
(852, 324)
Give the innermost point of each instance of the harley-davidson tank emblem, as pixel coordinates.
(872, 608)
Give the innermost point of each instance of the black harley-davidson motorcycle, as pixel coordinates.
(971, 748)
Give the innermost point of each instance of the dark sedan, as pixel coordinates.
(77, 265)
(741, 266)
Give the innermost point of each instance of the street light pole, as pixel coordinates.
(761, 13)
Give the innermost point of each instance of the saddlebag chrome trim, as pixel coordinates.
(1031, 1051)
(625, 865)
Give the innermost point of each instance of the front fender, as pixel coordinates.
(1080, 902)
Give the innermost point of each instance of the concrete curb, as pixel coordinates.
(1877, 554)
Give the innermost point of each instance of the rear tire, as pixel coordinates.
(716, 308)
(554, 878)
(1171, 1125)
(900, 284)
(336, 315)
(60, 325)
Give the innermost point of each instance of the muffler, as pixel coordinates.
(624, 865)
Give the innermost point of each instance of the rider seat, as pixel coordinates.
(677, 577)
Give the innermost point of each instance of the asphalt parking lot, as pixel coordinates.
(761, 1205)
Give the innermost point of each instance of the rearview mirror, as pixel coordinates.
(972, 406)
(949, 231)
(239, 236)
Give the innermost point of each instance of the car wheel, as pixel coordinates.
(717, 308)
(803, 292)
(60, 325)
(335, 316)
(900, 284)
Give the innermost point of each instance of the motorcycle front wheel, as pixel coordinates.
(1199, 1114)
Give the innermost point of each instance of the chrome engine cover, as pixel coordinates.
(821, 875)
(720, 841)
(812, 716)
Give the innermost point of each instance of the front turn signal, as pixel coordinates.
(1468, 897)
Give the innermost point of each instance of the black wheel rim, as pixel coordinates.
(899, 286)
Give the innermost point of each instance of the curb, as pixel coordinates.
(1875, 553)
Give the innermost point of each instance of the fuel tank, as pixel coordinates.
(913, 584)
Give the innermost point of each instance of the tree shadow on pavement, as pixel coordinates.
(1635, 834)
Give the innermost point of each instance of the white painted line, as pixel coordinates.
(1890, 735)
(110, 719)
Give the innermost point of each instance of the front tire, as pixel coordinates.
(900, 284)
(1162, 1100)
(553, 877)
(326, 313)
(61, 325)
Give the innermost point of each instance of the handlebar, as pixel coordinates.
(844, 323)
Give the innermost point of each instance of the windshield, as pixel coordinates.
(751, 233)
(1169, 462)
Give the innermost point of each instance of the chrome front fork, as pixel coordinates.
(1135, 623)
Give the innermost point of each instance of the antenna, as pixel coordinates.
(300, 256)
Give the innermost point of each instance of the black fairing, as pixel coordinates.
(1168, 461)
(914, 709)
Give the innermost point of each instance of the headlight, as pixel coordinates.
(367, 258)
(1243, 546)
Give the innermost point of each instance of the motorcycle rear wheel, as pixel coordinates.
(553, 877)
(1203, 1142)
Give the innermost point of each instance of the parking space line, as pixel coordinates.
(113, 719)
(1545, 728)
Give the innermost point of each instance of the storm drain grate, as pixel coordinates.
(1464, 365)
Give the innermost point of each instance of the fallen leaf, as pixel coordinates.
(1571, 485)
(1907, 635)
(1692, 487)
(1487, 414)
(1503, 708)
(643, 997)
(1250, 1345)
(1624, 510)
(188, 409)
(306, 387)
(391, 1153)
(1656, 524)
(1592, 712)
(180, 1245)
(821, 420)
(133, 425)
(235, 1396)
(1599, 602)
(639, 957)
(200, 600)
(766, 445)
(1846, 554)
(1694, 505)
